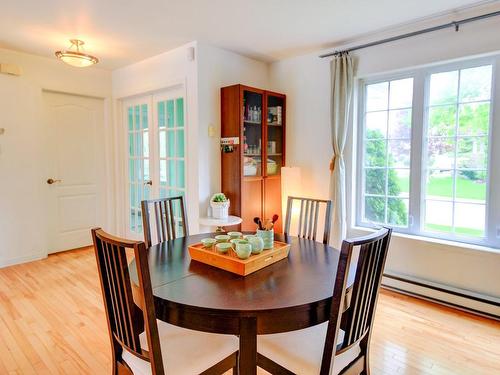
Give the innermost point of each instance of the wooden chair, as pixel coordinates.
(325, 348)
(166, 211)
(140, 344)
(308, 217)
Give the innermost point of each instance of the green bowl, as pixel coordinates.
(235, 235)
(223, 247)
(234, 241)
(208, 242)
(222, 238)
(237, 240)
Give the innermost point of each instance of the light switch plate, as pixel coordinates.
(211, 131)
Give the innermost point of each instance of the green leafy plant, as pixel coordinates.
(219, 197)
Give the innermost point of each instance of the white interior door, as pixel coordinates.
(75, 173)
(156, 152)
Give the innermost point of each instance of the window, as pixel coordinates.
(425, 146)
(457, 151)
(386, 168)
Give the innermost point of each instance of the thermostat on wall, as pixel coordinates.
(11, 69)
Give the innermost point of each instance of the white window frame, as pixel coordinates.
(421, 86)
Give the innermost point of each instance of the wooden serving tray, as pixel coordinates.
(230, 261)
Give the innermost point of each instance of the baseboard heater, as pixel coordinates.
(456, 298)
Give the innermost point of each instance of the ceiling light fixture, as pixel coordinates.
(74, 57)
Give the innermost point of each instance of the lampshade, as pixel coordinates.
(74, 57)
(290, 185)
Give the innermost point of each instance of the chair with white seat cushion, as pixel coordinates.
(184, 351)
(325, 348)
(140, 344)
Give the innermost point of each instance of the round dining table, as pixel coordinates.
(293, 293)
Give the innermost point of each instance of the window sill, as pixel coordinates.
(456, 244)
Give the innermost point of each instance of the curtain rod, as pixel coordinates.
(455, 24)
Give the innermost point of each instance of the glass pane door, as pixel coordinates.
(171, 148)
(252, 134)
(139, 179)
(274, 145)
(156, 152)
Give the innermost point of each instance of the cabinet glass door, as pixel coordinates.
(139, 178)
(252, 133)
(274, 146)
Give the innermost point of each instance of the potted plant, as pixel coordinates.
(220, 206)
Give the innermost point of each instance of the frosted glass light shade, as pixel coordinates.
(80, 60)
(74, 57)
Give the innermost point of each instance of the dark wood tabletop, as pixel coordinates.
(291, 294)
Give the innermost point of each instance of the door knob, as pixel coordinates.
(51, 181)
(149, 182)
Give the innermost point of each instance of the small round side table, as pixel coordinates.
(220, 223)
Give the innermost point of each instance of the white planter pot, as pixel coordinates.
(220, 210)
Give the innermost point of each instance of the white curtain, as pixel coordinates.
(342, 77)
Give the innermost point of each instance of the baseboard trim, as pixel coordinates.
(473, 303)
(19, 260)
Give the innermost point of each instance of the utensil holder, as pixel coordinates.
(268, 238)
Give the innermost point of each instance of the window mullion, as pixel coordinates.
(492, 229)
(417, 158)
(454, 181)
(386, 200)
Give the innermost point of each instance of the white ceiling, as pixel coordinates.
(122, 32)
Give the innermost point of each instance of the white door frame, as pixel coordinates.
(101, 179)
(122, 213)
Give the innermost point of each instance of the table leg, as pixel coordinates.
(248, 346)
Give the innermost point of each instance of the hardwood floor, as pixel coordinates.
(52, 321)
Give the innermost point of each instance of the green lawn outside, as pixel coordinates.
(442, 186)
(458, 230)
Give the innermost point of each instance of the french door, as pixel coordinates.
(156, 152)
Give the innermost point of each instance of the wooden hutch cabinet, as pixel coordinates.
(251, 170)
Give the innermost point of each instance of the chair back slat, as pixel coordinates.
(359, 316)
(365, 289)
(300, 218)
(316, 215)
(308, 217)
(125, 320)
(170, 219)
(159, 225)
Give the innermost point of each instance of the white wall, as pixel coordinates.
(211, 69)
(22, 177)
(218, 68)
(305, 80)
(155, 74)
